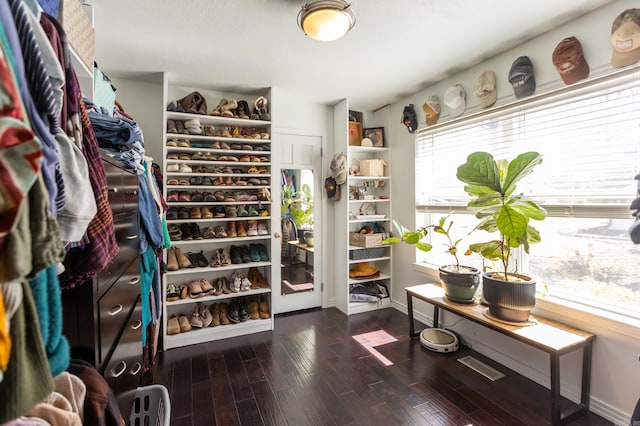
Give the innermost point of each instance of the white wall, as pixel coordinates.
(616, 370)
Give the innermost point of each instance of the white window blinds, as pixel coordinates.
(589, 138)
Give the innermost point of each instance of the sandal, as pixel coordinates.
(173, 181)
(172, 142)
(242, 211)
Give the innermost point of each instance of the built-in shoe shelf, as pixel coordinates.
(208, 145)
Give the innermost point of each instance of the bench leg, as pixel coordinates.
(410, 314)
(555, 389)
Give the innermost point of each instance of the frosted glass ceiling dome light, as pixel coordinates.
(326, 20)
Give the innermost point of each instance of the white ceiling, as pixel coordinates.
(396, 47)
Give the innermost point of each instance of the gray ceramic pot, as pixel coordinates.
(460, 286)
(509, 301)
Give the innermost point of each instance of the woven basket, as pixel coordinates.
(80, 33)
(372, 167)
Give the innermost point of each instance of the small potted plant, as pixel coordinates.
(491, 184)
(460, 282)
(299, 206)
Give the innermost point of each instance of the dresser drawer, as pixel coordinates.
(129, 191)
(129, 248)
(124, 369)
(114, 308)
(114, 182)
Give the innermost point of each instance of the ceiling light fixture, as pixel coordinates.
(326, 20)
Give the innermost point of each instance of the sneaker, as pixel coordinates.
(254, 253)
(195, 320)
(245, 285)
(262, 228)
(236, 282)
(172, 293)
(252, 231)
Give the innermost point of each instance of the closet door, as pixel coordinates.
(298, 282)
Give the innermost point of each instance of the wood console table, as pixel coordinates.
(549, 336)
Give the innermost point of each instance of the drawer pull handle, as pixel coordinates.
(114, 189)
(131, 237)
(115, 310)
(134, 280)
(136, 325)
(134, 192)
(136, 369)
(115, 373)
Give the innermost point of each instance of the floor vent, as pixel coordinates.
(482, 368)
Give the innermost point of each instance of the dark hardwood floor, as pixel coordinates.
(310, 371)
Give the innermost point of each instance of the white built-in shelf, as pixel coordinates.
(211, 120)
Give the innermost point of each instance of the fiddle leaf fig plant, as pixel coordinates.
(491, 184)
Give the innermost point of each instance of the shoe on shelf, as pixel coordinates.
(252, 306)
(172, 293)
(195, 290)
(195, 231)
(207, 288)
(241, 230)
(243, 310)
(172, 260)
(224, 256)
(263, 307)
(246, 284)
(236, 282)
(195, 319)
(262, 228)
(173, 327)
(183, 291)
(186, 232)
(231, 230)
(236, 257)
(183, 261)
(217, 287)
(205, 315)
(215, 315)
(254, 253)
(184, 323)
(264, 254)
(257, 278)
(216, 260)
(224, 317)
(226, 285)
(252, 230)
(232, 311)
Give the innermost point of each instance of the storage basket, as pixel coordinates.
(369, 253)
(151, 407)
(373, 167)
(80, 33)
(366, 240)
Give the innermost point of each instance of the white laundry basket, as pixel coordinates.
(151, 407)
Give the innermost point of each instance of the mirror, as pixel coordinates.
(298, 227)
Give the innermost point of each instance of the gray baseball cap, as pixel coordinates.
(521, 77)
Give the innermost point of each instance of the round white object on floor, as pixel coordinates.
(439, 340)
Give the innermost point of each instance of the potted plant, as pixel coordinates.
(460, 282)
(491, 184)
(299, 206)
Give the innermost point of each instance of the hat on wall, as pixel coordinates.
(431, 109)
(333, 189)
(625, 38)
(569, 60)
(363, 270)
(455, 99)
(409, 118)
(339, 168)
(521, 77)
(485, 88)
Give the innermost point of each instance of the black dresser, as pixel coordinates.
(103, 318)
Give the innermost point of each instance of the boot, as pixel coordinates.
(241, 231)
(183, 261)
(172, 261)
(231, 230)
(263, 307)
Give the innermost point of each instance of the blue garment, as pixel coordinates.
(115, 130)
(46, 292)
(50, 163)
(149, 216)
(148, 267)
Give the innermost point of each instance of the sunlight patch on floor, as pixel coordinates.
(376, 338)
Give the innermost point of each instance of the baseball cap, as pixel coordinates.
(455, 99)
(569, 60)
(339, 168)
(333, 189)
(431, 109)
(485, 89)
(625, 38)
(521, 77)
(409, 118)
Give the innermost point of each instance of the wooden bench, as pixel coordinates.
(549, 336)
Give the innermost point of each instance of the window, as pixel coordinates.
(589, 137)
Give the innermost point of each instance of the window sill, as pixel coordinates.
(580, 316)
